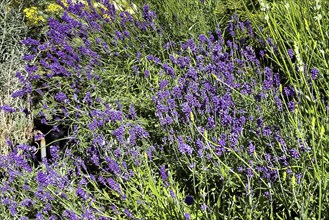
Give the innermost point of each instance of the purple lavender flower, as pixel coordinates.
(251, 149)
(204, 207)
(81, 193)
(116, 115)
(276, 80)
(27, 202)
(169, 70)
(299, 177)
(284, 161)
(21, 162)
(54, 151)
(172, 194)
(163, 84)
(249, 28)
(39, 216)
(42, 178)
(13, 210)
(291, 53)
(314, 73)
(132, 112)
(268, 82)
(278, 103)
(28, 57)
(147, 73)
(70, 214)
(223, 139)
(163, 173)
(30, 42)
(249, 53)
(136, 71)
(128, 214)
(250, 172)
(260, 122)
(87, 98)
(184, 148)
(7, 109)
(267, 194)
(231, 29)
(150, 57)
(226, 120)
(60, 97)
(186, 109)
(240, 169)
(166, 121)
(289, 91)
(114, 185)
(187, 216)
(267, 131)
(113, 166)
(202, 38)
(291, 106)
(294, 153)
(31, 69)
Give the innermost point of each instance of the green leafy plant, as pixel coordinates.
(15, 127)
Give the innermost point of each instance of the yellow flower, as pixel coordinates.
(30, 12)
(32, 15)
(106, 16)
(53, 8)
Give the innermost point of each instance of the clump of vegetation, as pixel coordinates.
(197, 119)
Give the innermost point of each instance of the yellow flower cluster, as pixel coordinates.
(53, 8)
(32, 15)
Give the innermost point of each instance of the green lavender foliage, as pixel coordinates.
(301, 27)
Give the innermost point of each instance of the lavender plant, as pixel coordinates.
(87, 47)
(301, 43)
(63, 71)
(228, 137)
(229, 146)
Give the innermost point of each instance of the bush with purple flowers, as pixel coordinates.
(222, 112)
(199, 125)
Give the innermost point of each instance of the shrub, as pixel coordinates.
(297, 29)
(14, 127)
(224, 140)
(225, 119)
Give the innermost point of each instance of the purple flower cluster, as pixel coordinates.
(314, 73)
(7, 109)
(71, 60)
(228, 92)
(35, 196)
(64, 77)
